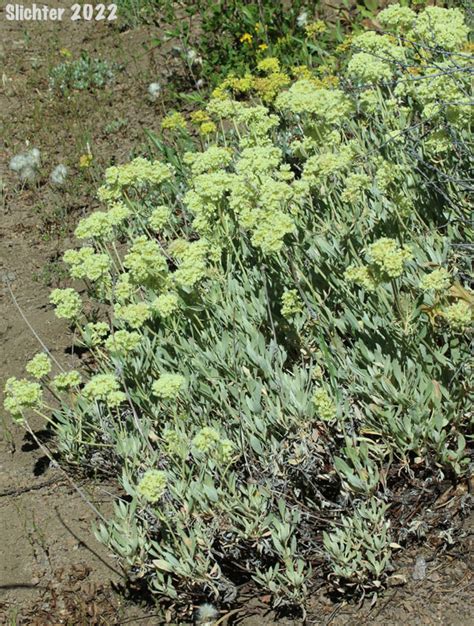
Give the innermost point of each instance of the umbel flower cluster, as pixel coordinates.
(280, 318)
(386, 262)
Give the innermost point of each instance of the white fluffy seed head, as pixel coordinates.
(193, 57)
(28, 174)
(26, 164)
(34, 156)
(154, 90)
(206, 613)
(59, 175)
(18, 162)
(302, 19)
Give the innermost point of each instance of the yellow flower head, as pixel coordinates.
(207, 128)
(270, 86)
(330, 81)
(269, 65)
(173, 121)
(302, 71)
(85, 160)
(199, 117)
(345, 45)
(315, 28)
(285, 40)
(246, 38)
(263, 46)
(241, 85)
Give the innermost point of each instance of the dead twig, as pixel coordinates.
(19, 490)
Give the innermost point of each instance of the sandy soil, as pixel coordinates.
(51, 566)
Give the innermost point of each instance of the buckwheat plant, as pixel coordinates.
(82, 74)
(361, 547)
(282, 320)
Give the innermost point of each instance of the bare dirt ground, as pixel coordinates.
(52, 570)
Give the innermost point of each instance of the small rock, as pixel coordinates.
(419, 571)
(435, 577)
(396, 580)
(7, 277)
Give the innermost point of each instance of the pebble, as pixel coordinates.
(419, 571)
(7, 277)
